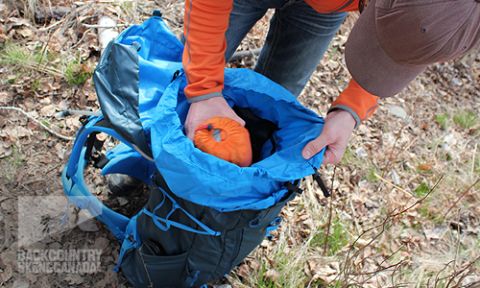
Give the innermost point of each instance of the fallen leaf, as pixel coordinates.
(5, 97)
(15, 133)
(48, 110)
(243, 271)
(424, 167)
(326, 273)
(5, 149)
(25, 32)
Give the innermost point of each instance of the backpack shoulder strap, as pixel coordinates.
(73, 180)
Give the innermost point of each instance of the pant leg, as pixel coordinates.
(296, 41)
(244, 15)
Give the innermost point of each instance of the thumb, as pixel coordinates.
(239, 120)
(313, 147)
(190, 128)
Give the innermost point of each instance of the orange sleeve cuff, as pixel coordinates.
(330, 6)
(206, 22)
(357, 101)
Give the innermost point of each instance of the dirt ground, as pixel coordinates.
(405, 207)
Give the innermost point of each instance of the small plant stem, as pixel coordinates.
(457, 246)
(473, 160)
(390, 156)
(330, 215)
(383, 226)
(390, 183)
(467, 267)
(460, 197)
(97, 26)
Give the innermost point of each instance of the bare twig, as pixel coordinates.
(457, 246)
(372, 274)
(393, 184)
(437, 276)
(383, 226)
(474, 160)
(381, 269)
(330, 215)
(460, 197)
(421, 199)
(57, 23)
(49, 130)
(457, 273)
(394, 148)
(98, 26)
(355, 221)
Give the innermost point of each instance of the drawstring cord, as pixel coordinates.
(318, 178)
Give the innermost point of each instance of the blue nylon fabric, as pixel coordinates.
(160, 55)
(202, 178)
(78, 192)
(125, 160)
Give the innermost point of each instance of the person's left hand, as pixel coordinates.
(338, 127)
(203, 110)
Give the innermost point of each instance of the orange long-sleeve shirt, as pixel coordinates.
(206, 22)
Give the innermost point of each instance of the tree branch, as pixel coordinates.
(48, 129)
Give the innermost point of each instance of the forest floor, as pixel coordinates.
(405, 209)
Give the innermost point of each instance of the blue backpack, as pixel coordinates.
(204, 215)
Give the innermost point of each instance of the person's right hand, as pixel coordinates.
(206, 109)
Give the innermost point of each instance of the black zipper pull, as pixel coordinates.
(321, 184)
(175, 75)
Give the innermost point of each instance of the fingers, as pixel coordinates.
(329, 157)
(238, 119)
(206, 109)
(313, 147)
(190, 125)
(190, 133)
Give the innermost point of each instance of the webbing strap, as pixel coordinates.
(272, 227)
(318, 178)
(165, 223)
(294, 187)
(74, 183)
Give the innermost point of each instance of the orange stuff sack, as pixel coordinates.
(226, 139)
